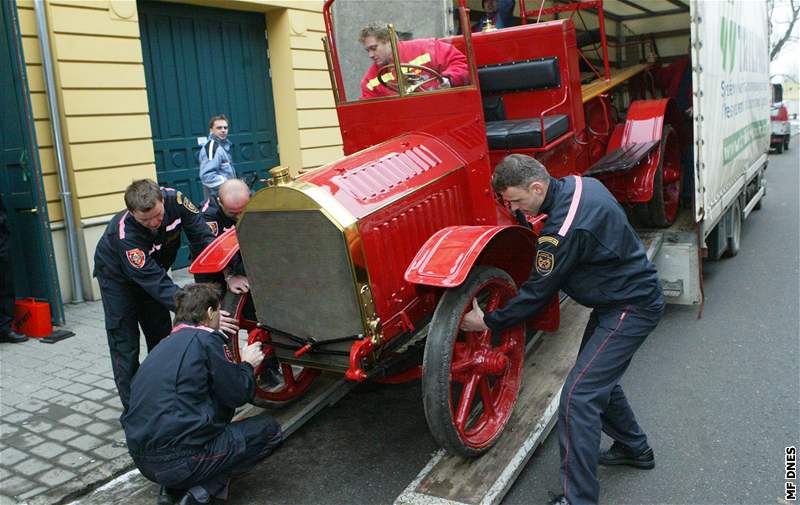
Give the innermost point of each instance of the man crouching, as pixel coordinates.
(178, 425)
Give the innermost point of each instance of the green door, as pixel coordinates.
(200, 62)
(32, 258)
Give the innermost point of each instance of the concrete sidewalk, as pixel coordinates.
(59, 412)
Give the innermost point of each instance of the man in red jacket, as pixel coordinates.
(445, 59)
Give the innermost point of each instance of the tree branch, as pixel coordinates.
(787, 35)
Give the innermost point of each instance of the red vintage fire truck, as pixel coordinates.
(355, 265)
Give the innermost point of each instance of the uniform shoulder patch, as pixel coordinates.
(545, 261)
(227, 352)
(190, 206)
(214, 227)
(547, 239)
(135, 257)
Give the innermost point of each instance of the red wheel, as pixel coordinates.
(296, 380)
(470, 380)
(662, 209)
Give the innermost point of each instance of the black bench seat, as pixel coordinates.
(524, 133)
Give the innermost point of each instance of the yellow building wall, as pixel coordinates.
(105, 121)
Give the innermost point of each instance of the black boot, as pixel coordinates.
(557, 500)
(12, 337)
(619, 454)
(167, 496)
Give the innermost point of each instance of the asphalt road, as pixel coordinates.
(718, 398)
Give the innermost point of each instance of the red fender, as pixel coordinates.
(448, 256)
(644, 123)
(217, 254)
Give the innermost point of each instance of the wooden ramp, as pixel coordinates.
(599, 86)
(452, 480)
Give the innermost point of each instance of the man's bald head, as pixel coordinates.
(233, 197)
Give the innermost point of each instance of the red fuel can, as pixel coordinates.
(32, 318)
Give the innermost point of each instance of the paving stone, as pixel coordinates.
(73, 459)
(114, 402)
(10, 456)
(32, 467)
(89, 379)
(12, 399)
(85, 442)
(6, 430)
(33, 492)
(45, 394)
(76, 420)
(98, 428)
(57, 383)
(7, 500)
(66, 399)
(110, 451)
(77, 364)
(87, 407)
(17, 485)
(4, 474)
(67, 373)
(32, 405)
(108, 414)
(76, 388)
(55, 477)
(48, 450)
(23, 439)
(16, 417)
(97, 394)
(107, 384)
(37, 425)
(61, 434)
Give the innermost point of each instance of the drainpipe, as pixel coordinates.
(55, 121)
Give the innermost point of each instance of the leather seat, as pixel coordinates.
(524, 133)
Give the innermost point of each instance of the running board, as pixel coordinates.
(451, 480)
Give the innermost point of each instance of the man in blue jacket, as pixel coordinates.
(178, 426)
(216, 156)
(587, 249)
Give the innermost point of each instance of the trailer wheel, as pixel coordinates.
(470, 380)
(735, 238)
(662, 209)
(779, 147)
(295, 381)
(786, 139)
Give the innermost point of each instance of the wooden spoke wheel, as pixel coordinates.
(296, 380)
(470, 380)
(662, 209)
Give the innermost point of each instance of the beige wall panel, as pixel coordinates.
(91, 22)
(320, 137)
(89, 48)
(35, 78)
(309, 60)
(317, 118)
(111, 101)
(94, 206)
(27, 4)
(314, 21)
(30, 48)
(101, 75)
(315, 99)
(39, 105)
(321, 155)
(111, 154)
(312, 79)
(27, 21)
(48, 160)
(310, 40)
(55, 212)
(44, 133)
(103, 128)
(91, 4)
(101, 182)
(51, 188)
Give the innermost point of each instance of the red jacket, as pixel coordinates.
(440, 56)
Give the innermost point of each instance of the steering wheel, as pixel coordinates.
(392, 85)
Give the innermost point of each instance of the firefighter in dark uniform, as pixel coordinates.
(7, 298)
(590, 251)
(221, 212)
(131, 261)
(178, 425)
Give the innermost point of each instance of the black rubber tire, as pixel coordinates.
(735, 239)
(436, 363)
(786, 139)
(653, 214)
(779, 148)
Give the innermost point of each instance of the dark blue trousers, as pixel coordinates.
(127, 307)
(206, 472)
(592, 399)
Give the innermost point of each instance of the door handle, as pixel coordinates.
(28, 211)
(26, 169)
